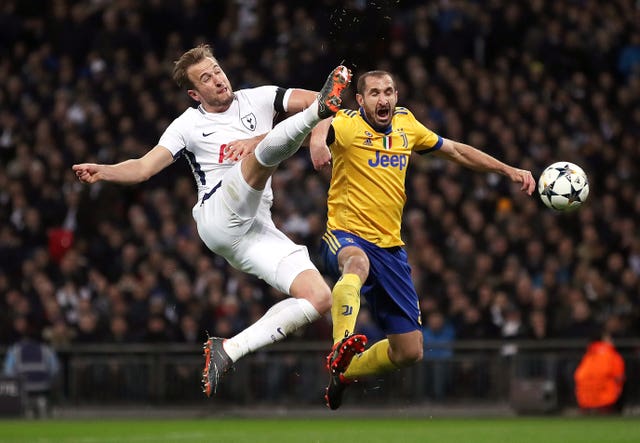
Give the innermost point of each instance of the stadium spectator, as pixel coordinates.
(36, 363)
(118, 331)
(438, 336)
(69, 93)
(600, 376)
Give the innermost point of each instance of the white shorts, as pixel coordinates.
(235, 223)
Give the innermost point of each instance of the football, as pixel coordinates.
(563, 186)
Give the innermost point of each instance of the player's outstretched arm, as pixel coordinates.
(475, 159)
(300, 99)
(126, 172)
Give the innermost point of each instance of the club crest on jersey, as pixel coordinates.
(367, 140)
(249, 121)
(405, 141)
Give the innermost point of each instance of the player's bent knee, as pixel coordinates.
(409, 357)
(407, 354)
(311, 286)
(320, 299)
(357, 263)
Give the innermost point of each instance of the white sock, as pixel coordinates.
(285, 138)
(277, 323)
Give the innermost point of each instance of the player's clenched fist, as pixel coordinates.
(87, 172)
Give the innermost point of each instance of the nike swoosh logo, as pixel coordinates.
(206, 134)
(281, 333)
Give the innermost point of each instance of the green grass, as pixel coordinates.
(490, 430)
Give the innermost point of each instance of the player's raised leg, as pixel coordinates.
(287, 136)
(311, 296)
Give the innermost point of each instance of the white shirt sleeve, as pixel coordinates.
(174, 137)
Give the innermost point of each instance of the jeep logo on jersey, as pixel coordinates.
(385, 160)
(249, 121)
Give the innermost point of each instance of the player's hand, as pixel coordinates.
(320, 157)
(239, 149)
(87, 172)
(525, 177)
(319, 151)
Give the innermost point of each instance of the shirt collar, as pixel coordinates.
(385, 131)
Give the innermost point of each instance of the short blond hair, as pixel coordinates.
(188, 59)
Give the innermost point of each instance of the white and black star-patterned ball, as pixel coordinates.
(563, 186)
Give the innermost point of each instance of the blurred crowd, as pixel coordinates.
(529, 82)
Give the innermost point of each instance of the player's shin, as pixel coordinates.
(285, 138)
(374, 360)
(346, 305)
(276, 324)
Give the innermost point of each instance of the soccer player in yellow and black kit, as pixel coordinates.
(370, 150)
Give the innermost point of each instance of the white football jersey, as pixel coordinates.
(202, 136)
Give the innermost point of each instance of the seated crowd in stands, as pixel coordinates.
(531, 83)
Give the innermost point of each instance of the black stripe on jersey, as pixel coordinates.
(351, 113)
(195, 166)
(401, 111)
(331, 135)
(278, 102)
(177, 155)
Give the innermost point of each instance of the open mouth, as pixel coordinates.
(383, 113)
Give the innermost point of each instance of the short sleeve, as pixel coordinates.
(174, 138)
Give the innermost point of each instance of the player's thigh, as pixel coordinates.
(218, 226)
(227, 213)
(390, 292)
(269, 254)
(229, 207)
(254, 173)
(339, 248)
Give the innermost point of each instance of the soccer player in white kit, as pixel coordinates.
(232, 161)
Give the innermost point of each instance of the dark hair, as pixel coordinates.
(363, 78)
(188, 59)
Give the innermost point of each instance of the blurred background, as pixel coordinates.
(116, 282)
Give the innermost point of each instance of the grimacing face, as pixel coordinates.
(211, 85)
(378, 100)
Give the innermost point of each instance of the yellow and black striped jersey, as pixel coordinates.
(367, 192)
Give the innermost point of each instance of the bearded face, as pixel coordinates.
(378, 100)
